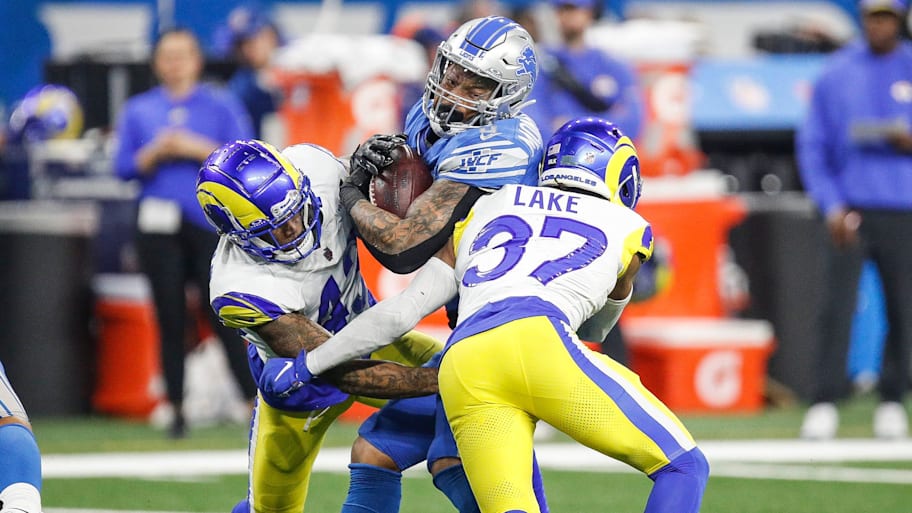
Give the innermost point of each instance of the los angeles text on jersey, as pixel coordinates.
(554, 201)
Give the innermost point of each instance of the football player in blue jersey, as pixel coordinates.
(468, 127)
(20, 472)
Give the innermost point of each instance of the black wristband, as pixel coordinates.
(349, 194)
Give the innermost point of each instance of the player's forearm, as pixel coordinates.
(388, 232)
(427, 216)
(290, 333)
(383, 380)
(389, 319)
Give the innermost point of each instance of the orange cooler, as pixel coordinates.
(129, 367)
(701, 364)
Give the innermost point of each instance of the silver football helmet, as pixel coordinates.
(500, 54)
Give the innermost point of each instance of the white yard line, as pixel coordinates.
(761, 459)
(88, 510)
(806, 473)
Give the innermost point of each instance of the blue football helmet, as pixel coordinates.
(248, 189)
(47, 111)
(591, 154)
(497, 50)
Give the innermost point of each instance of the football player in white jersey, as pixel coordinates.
(533, 263)
(536, 268)
(286, 274)
(468, 127)
(20, 471)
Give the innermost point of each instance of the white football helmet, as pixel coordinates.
(496, 49)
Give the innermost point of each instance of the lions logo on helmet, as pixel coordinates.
(592, 154)
(46, 112)
(248, 189)
(496, 49)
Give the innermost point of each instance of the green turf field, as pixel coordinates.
(807, 485)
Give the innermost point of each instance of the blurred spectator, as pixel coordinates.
(576, 79)
(472, 9)
(252, 39)
(164, 135)
(855, 158)
(46, 112)
(524, 14)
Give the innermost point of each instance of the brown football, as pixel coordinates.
(401, 182)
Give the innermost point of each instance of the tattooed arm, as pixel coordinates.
(292, 332)
(383, 380)
(428, 216)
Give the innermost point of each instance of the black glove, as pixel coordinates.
(373, 155)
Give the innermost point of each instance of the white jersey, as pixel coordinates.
(564, 248)
(326, 286)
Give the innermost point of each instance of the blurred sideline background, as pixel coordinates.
(726, 82)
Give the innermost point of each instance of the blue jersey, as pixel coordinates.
(507, 151)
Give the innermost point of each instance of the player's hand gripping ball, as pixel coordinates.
(399, 183)
(371, 157)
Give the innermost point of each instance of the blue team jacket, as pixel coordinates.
(208, 110)
(839, 167)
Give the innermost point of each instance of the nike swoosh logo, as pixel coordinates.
(283, 371)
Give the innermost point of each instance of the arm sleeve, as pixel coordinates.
(389, 319)
(813, 152)
(596, 328)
